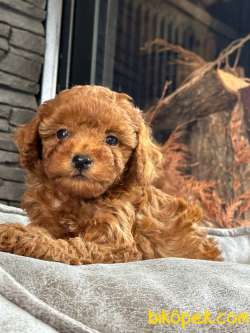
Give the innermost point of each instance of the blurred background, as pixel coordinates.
(101, 41)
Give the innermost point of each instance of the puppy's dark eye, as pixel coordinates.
(62, 133)
(112, 140)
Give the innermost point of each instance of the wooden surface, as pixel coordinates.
(211, 151)
(206, 96)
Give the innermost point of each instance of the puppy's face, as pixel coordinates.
(86, 145)
(87, 137)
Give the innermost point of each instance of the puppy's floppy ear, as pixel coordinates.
(29, 144)
(146, 158)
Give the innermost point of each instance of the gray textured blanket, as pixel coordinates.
(165, 295)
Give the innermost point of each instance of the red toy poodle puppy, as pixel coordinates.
(91, 164)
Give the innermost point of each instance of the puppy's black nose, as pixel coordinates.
(81, 162)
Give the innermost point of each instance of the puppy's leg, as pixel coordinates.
(37, 243)
(179, 236)
(34, 242)
(188, 239)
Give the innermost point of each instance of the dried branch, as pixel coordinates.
(236, 45)
(186, 57)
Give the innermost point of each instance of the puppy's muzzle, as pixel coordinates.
(81, 162)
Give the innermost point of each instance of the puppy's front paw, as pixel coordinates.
(10, 234)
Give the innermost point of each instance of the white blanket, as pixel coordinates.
(43, 297)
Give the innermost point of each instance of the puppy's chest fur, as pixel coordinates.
(122, 219)
(84, 216)
(69, 217)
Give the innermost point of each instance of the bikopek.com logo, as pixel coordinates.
(185, 318)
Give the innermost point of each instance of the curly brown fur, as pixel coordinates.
(110, 211)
